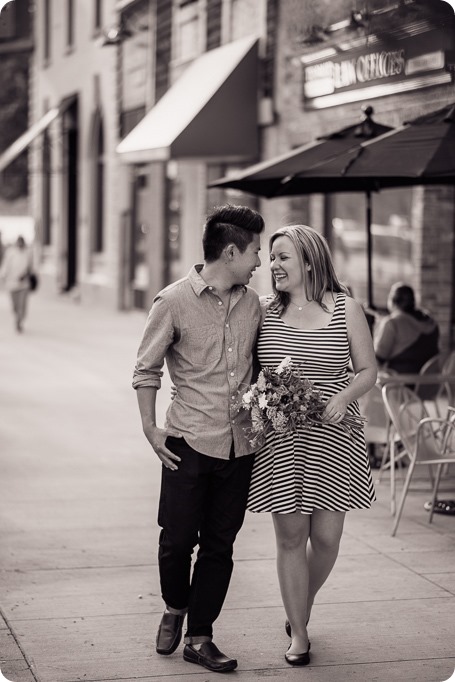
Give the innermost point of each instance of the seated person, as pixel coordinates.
(408, 337)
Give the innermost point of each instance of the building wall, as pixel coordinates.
(87, 70)
(239, 19)
(183, 31)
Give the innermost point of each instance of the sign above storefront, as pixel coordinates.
(338, 76)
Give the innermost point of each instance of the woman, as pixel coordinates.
(408, 337)
(310, 479)
(15, 270)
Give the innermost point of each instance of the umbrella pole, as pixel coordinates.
(369, 253)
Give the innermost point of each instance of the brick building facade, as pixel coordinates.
(413, 229)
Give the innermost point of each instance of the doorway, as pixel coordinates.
(70, 167)
(139, 273)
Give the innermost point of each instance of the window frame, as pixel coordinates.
(98, 184)
(47, 33)
(70, 10)
(46, 190)
(98, 15)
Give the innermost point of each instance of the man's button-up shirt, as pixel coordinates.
(208, 351)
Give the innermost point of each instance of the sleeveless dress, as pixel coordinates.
(323, 467)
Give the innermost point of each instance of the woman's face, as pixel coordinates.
(285, 265)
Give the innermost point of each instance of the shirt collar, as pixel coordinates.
(199, 284)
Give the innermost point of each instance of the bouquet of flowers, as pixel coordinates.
(283, 400)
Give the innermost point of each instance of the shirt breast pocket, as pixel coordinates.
(247, 331)
(201, 344)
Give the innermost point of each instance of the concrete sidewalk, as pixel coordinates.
(79, 592)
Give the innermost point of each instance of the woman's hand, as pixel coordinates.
(335, 409)
(173, 392)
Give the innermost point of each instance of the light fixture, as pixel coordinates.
(114, 35)
(358, 18)
(316, 34)
(366, 128)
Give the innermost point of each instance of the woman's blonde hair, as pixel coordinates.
(312, 250)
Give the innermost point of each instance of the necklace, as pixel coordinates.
(300, 307)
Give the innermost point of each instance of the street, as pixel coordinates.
(79, 484)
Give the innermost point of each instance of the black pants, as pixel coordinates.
(203, 503)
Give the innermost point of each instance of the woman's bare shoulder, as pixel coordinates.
(355, 313)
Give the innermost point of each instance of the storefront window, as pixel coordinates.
(392, 242)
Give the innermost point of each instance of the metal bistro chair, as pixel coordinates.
(448, 368)
(438, 396)
(379, 431)
(428, 441)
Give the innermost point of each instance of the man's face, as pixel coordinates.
(245, 263)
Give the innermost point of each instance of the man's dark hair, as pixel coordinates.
(229, 225)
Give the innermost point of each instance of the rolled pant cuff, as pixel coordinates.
(200, 639)
(176, 612)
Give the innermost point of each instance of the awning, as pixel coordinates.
(22, 142)
(27, 138)
(210, 112)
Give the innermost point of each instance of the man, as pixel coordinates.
(205, 326)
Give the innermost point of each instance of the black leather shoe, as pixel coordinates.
(169, 633)
(210, 657)
(298, 659)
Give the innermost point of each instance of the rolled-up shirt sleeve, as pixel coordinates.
(158, 336)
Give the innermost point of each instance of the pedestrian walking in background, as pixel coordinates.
(205, 326)
(309, 479)
(15, 270)
(407, 337)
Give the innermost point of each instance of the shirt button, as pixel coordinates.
(230, 350)
(233, 397)
(211, 288)
(232, 374)
(233, 421)
(219, 303)
(227, 326)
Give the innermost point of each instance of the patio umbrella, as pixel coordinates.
(268, 178)
(421, 151)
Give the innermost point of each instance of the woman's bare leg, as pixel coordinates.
(292, 532)
(322, 550)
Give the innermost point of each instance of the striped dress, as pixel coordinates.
(321, 468)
